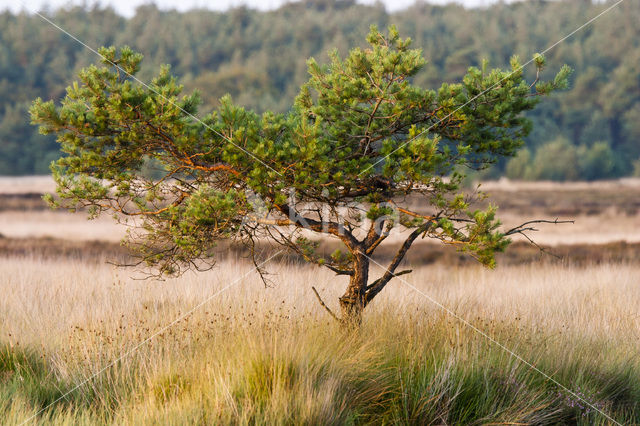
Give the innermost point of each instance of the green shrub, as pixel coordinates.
(519, 167)
(597, 161)
(556, 160)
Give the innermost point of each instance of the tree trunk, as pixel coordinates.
(352, 301)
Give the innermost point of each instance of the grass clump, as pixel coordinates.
(24, 374)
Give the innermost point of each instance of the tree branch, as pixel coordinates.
(324, 305)
(521, 228)
(377, 242)
(332, 228)
(338, 271)
(373, 284)
(372, 234)
(381, 282)
(414, 214)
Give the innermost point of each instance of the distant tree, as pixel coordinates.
(519, 166)
(636, 168)
(597, 161)
(22, 150)
(556, 160)
(360, 140)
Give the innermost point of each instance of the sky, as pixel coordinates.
(127, 7)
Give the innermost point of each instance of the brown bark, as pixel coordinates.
(359, 293)
(353, 300)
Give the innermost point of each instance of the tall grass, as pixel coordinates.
(256, 355)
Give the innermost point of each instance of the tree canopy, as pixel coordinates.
(360, 140)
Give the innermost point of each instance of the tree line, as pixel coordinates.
(590, 132)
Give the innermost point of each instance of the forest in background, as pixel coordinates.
(591, 131)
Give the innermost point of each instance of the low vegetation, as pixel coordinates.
(272, 357)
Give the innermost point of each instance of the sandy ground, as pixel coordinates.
(26, 184)
(586, 229)
(58, 224)
(510, 185)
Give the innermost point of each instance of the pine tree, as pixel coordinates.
(360, 146)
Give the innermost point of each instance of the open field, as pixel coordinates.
(273, 356)
(606, 228)
(604, 212)
(59, 224)
(424, 253)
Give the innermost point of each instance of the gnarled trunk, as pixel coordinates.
(352, 301)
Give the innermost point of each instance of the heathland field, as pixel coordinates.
(538, 340)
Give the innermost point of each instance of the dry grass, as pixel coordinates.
(42, 298)
(256, 355)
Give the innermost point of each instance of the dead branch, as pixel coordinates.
(522, 227)
(324, 304)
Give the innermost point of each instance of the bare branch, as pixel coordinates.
(397, 274)
(291, 244)
(379, 284)
(338, 271)
(521, 228)
(324, 305)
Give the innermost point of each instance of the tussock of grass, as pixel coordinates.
(24, 374)
(271, 356)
